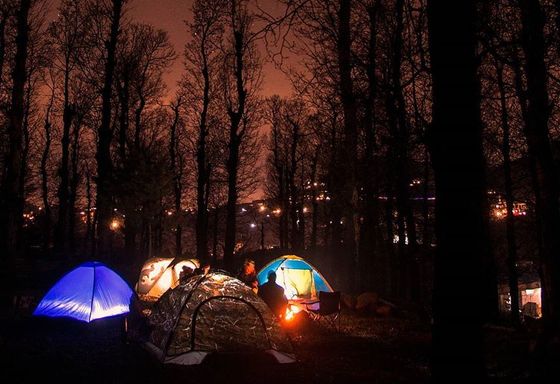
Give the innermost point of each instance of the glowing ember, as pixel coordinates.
(291, 311)
(289, 314)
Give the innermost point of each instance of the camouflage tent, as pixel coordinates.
(214, 313)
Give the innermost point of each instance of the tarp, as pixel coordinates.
(299, 279)
(160, 274)
(214, 313)
(90, 291)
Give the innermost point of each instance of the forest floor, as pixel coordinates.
(366, 350)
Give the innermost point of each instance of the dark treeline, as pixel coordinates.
(408, 118)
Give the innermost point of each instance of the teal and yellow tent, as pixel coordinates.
(299, 279)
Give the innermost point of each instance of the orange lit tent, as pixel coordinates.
(160, 274)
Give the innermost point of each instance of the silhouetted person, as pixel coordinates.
(273, 295)
(248, 275)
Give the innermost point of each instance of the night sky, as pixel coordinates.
(170, 15)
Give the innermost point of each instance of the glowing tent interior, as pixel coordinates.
(89, 292)
(213, 314)
(160, 274)
(299, 279)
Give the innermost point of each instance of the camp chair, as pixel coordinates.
(328, 311)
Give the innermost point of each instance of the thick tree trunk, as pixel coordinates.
(45, 177)
(284, 204)
(406, 228)
(177, 185)
(456, 150)
(370, 266)
(89, 238)
(235, 138)
(26, 140)
(215, 236)
(124, 96)
(314, 204)
(508, 186)
(203, 176)
(74, 183)
(3, 22)
(545, 173)
(426, 234)
(11, 214)
(138, 121)
(348, 99)
(61, 230)
(293, 190)
(105, 135)
(231, 205)
(391, 262)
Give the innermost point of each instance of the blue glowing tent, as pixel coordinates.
(299, 279)
(91, 291)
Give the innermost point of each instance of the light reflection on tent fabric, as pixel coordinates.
(91, 291)
(299, 279)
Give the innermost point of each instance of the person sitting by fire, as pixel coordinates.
(248, 275)
(273, 295)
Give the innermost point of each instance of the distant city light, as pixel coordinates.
(115, 225)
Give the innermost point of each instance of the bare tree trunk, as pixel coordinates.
(455, 141)
(89, 238)
(293, 192)
(235, 138)
(284, 204)
(11, 215)
(203, 175)
(124, 99)
(508, 184)
(3, 21)
(61, 229)
(105, 135)
(74, 182)
(400, 137)
(215, 236)
(231, 205)
(45, 177)
(545, 173)
(138, 121)
(314, 204)
(426, 235)
(26, 140)
(392, 264)
(177, 186)
(370, 266)
(350, 191)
